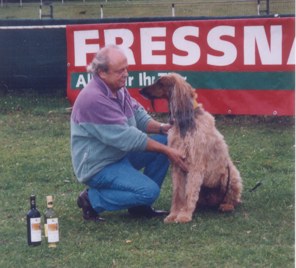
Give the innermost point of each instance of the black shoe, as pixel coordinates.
(88, 213)
(146, 211)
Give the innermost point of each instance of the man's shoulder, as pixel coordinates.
(91, 94)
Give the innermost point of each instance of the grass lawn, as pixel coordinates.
(35, 158)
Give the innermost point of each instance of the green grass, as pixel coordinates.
(91, 9)
(35, 158)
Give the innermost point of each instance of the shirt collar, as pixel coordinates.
(106, 90)
(102, 85)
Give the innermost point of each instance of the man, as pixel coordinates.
(109, 144)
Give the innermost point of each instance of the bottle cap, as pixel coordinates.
(49, 200)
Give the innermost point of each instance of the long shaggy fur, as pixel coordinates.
(212, 180)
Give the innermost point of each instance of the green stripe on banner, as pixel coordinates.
(242, 80)
(207, 80)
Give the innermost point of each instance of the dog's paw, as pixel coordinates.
(226, 208)
(181, 218)
(170, 218)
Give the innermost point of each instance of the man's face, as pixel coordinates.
(117, 74)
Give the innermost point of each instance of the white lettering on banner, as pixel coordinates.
(154, 45)
(129, 81)
(81, 48)
(291, 59)
(192, 49)
(127, 39)
(82, 80)
(255, 36)
(146, 80)
(148, 45)
(228, 49)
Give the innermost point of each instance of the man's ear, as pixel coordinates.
(101, 74)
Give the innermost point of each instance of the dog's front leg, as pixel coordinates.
(178, 199)
(193, 185)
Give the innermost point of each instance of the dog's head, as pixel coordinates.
(180, 95)
(161, 89)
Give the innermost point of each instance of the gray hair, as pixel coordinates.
(101, 60)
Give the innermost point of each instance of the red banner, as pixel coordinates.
(238, 66)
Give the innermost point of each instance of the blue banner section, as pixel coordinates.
(33, 59)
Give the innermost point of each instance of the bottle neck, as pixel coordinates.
(33, 203)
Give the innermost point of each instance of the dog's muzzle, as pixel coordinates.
(145, 93)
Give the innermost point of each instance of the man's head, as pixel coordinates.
(110, 64)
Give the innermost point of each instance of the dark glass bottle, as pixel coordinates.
(51, 223)
(33, 224)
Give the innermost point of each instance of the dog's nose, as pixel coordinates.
(144, 92)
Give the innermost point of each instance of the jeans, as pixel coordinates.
(122, 185)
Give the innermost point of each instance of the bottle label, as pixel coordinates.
(45, 230)
(53, 230)
(35, 224)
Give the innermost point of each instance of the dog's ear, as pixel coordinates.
(181, 106)
(166, 85)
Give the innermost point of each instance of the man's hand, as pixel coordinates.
(177, 158)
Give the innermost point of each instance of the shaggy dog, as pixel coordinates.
(212, 180)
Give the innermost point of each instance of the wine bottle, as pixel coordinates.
(33, 224)
(51, 224)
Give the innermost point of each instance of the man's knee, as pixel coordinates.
(151, 193)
